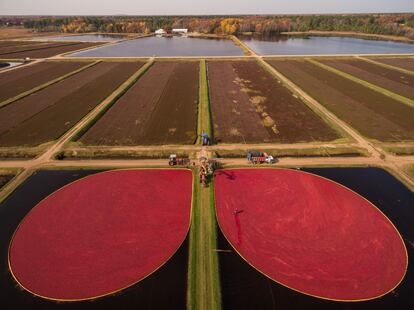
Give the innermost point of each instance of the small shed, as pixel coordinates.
(160, 31)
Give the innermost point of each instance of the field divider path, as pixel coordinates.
(47, 84)
(244, 47)
(204, 117)
(402, 70)
(371, 86)
(203, 292)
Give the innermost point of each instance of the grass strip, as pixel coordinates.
(373, 87)
(299, 152)
(203, 291)
(118, 93)
(204, 118)
(400, 150)
(40, 87)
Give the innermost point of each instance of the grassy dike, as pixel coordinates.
(373, 87)
(204, 118)
(40, 87)
(203, 289)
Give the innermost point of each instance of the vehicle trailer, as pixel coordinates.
(259, 158)
(177, 161)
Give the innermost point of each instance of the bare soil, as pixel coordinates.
(405, 63)
(47, 114)
(42, 50)
(23, 79)
(20, 32)
(161, 108)
(397, 82)
(7, 47)
(371, 113)
(250, 106)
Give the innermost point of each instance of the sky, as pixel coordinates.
(199, 7)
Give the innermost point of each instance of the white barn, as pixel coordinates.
(180, 30)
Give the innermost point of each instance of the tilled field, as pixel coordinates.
(41, 49)
(397, 82)
(47, 114)
(17, 46)
(249, 105)
(161, 108)
(405, 63)
(23, 79)
(371, 113)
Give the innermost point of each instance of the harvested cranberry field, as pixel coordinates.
(249, 105)
(67, 252)
(47, 114)
(397, 82)
(371, 113)
(310, 234)
(404, 63)
(11, 50)
(161, 108)
(23, 79)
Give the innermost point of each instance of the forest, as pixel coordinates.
(384, 24)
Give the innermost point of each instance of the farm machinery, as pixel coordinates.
(177, 161)
(207, 167)
(205, 139)
(259, 158)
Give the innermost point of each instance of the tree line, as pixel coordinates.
(387, 24)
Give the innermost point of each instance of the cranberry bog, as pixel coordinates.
(269, 228)
(404, 63)
(20, 80)
(47, 114)
(40, 49)
(160, 108)
(373, 114)
(393, 80)
(250, 106)
(157, 198)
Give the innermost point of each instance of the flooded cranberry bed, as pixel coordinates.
(163, 289)
(243, 287)
(165, 46)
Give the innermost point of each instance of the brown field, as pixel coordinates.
(23, 79)
(20, 32)
(161, 108)
(41, 49)
(7, 47)
(249, 105)
(47, 114)
(404, 63)
(371, 113)
(397, 82)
